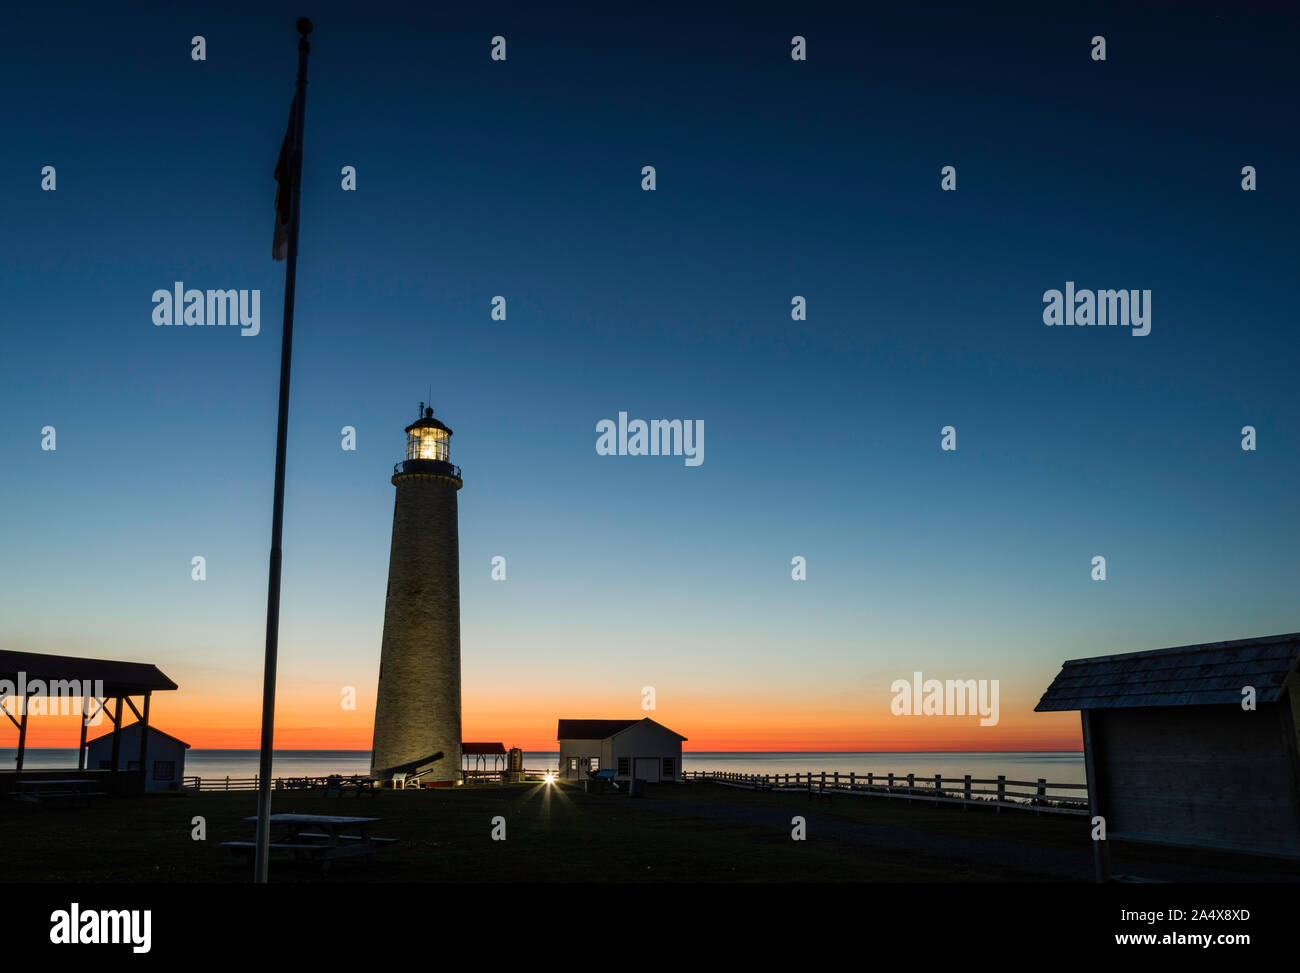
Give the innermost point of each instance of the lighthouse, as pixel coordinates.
(417, 711)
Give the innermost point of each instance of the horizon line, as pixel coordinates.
(194, 749)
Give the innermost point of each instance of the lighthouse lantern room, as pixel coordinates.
(427, 438)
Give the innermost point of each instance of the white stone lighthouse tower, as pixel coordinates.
(417, 713)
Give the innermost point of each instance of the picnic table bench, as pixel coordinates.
(319, 837)
(38, 790)
(333, 784)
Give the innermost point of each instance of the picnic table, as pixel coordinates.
(37, 790)
(333, 784)
(337, 784)
(319, 837)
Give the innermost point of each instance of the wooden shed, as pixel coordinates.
(1194, 745)
(164, 761)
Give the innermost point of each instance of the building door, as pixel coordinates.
(647, 768)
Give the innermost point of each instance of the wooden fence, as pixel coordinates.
(999, 792)
(500, 776)
(251, 783)
(307, 783)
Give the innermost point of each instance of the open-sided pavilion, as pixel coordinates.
(93, 683)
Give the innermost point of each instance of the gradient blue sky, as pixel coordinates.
(775, 178)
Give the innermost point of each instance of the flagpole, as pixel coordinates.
(277, 514)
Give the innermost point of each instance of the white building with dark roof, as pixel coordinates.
(640, 749)
(164, 756)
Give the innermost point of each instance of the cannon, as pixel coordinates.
(412, 768)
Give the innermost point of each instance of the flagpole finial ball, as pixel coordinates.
(304, 26)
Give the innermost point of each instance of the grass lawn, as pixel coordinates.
(693, 832)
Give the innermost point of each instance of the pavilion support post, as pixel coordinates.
(117, 739)
(144, 738)
(81, 749)
(22, 738)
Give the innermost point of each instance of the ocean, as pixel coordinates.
(1055, 767)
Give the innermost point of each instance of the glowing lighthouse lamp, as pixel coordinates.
(427, 439)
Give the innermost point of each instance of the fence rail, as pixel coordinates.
(251, 783)
(501, 776)
(998, 792)
(193, 783)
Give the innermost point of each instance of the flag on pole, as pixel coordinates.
(284, 180)
(284, 246)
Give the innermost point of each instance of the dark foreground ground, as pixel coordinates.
(683, 833)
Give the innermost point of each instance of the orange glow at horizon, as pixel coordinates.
(309, 722)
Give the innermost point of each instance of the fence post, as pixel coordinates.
(852, 776)
(891, 783)
(871, 780)
(938, 785)
(227, 782)
(1042, 789)
(966, 790)
(1002, 790)
(823, 780)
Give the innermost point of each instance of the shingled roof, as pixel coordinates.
(1186, 675)
(153, 732)
(590, 729)
(119, 678)
(603, 729)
